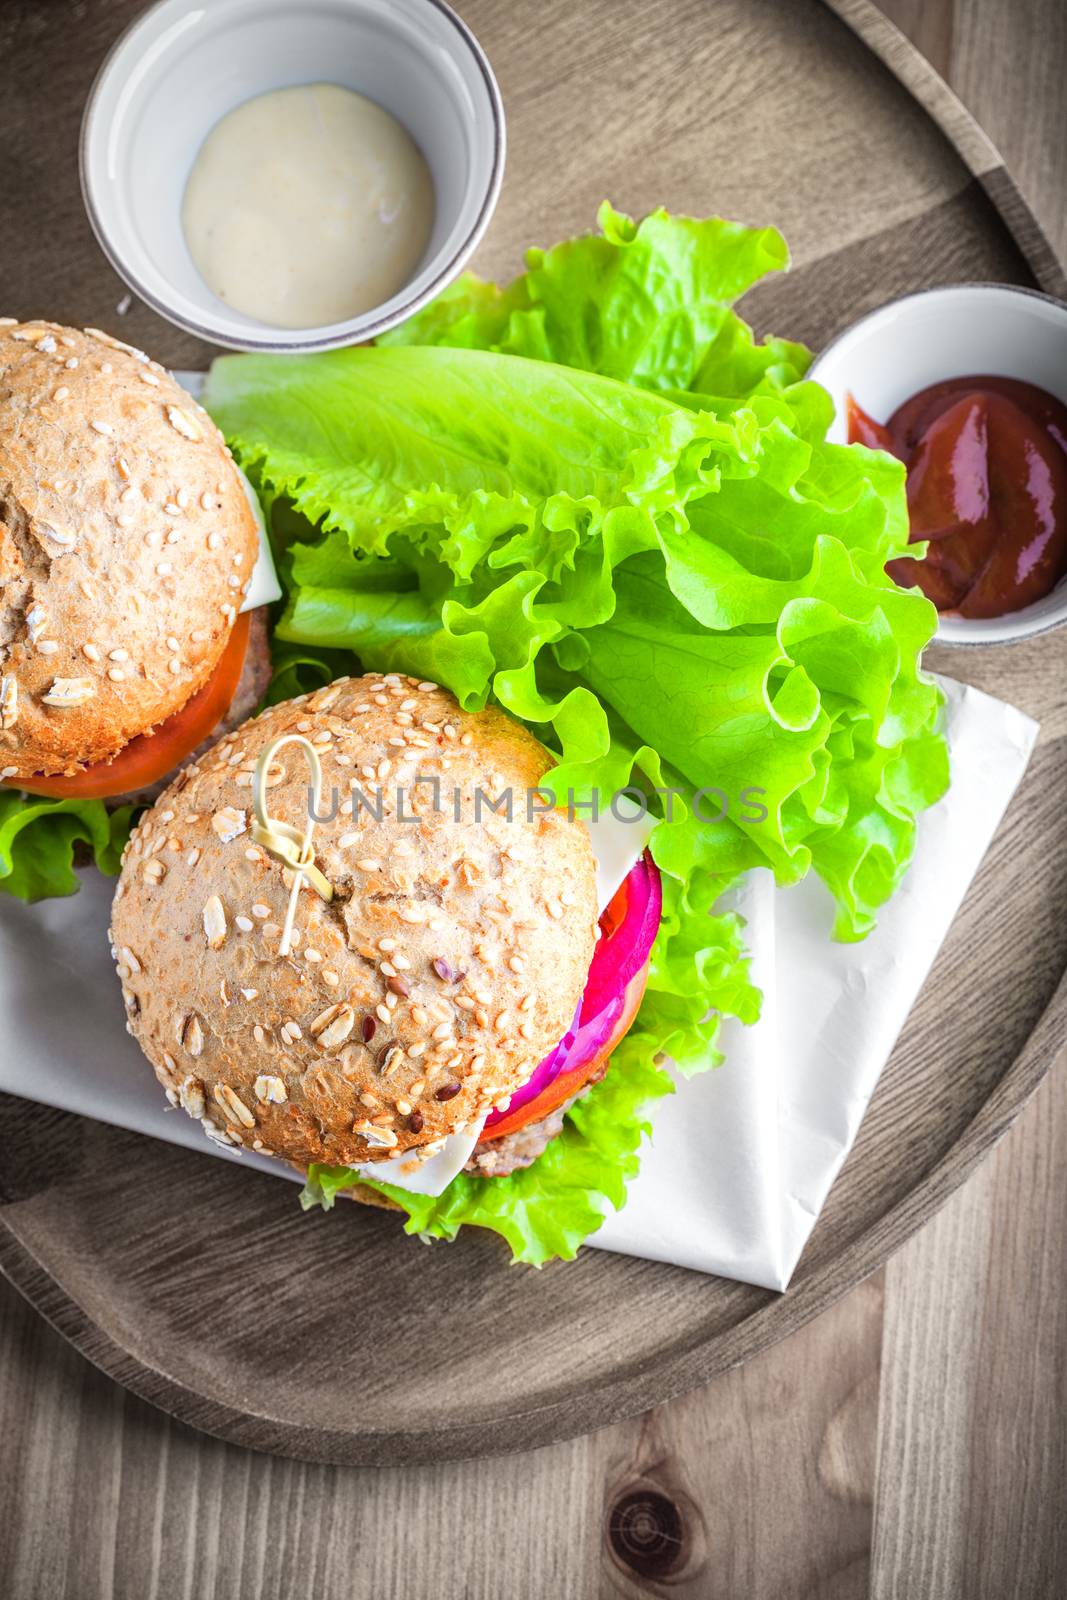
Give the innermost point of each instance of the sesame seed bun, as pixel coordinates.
(126, 545)
(448, 964)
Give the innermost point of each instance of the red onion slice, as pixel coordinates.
(620, 955)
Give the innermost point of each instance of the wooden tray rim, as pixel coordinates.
(679, 1369)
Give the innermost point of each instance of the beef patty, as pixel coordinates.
(497, 1158)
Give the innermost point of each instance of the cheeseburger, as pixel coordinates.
(430, 972)
(127, 545)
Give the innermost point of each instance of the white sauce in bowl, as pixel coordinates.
(307, 206)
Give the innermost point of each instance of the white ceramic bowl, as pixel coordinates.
(183, 65)
(995, 329)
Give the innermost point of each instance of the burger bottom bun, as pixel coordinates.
(370, 1197)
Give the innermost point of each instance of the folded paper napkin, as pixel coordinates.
(742, 1158)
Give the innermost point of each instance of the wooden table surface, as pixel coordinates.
(911, 1442)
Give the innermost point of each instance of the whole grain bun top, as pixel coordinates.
(126, 545)
(449, 962)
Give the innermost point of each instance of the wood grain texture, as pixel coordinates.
(973, 1438)
(140, 1506)
(784, 1432)
(931, 29)
(968, 136)
(101, 1495)
(1007, 64)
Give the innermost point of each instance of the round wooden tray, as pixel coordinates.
(202, 1287)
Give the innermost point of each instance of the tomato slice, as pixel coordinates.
(568, 1083)
(151, 756)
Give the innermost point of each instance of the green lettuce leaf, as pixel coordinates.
(38, 839)
(595, 498)
(648, 303)
(574, 546)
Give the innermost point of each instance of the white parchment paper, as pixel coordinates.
(742, 1158)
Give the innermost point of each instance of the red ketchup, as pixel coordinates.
(987, 486)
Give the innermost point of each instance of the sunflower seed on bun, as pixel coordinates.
(422, 994)
(126, 548)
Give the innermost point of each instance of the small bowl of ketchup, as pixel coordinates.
(967, 386)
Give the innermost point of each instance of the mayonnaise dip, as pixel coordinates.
(308, 205)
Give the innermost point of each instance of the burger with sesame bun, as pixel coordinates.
(428, 986)
(127, 544)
